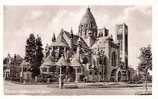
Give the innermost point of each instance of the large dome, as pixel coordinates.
(88, 28)
(87, 18)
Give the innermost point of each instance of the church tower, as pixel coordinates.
(88, 28)
(122, 39)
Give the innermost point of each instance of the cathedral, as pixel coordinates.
(91, 55)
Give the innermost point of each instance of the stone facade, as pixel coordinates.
(92, 55)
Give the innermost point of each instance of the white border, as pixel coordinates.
(153, 3)
(78, 2)
(1, 49)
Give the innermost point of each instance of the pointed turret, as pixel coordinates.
(53, 38)
(71, 32)
(47, 50)
(71, 39)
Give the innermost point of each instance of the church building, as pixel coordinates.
(91, 55)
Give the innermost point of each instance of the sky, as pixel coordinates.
(20, 21)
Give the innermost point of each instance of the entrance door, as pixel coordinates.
(71, 74)
(113, 75)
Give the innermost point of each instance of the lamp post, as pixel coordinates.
(60, 78)
(146, 78)
(21, 74)
(76, 78)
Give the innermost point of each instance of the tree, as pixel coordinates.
(30, 49)
(5, 60)
(145, 62)
(34, 53)
(145, 59)
(39, 56)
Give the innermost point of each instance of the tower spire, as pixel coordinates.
(71, 31)
(88, 8)
(71, 39)
(53, 38)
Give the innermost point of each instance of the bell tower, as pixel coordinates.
(122, 39)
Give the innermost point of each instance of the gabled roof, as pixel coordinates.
(100, 42)
(49, 61)
(60, 40)
(67, 37)
(64, 39)
(62, 62)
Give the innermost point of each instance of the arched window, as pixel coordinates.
(100, 61)
(113, 61)
(105, 65)
(113, 75)
(85, 60)
(104, 62)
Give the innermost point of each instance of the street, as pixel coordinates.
(18, 89)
